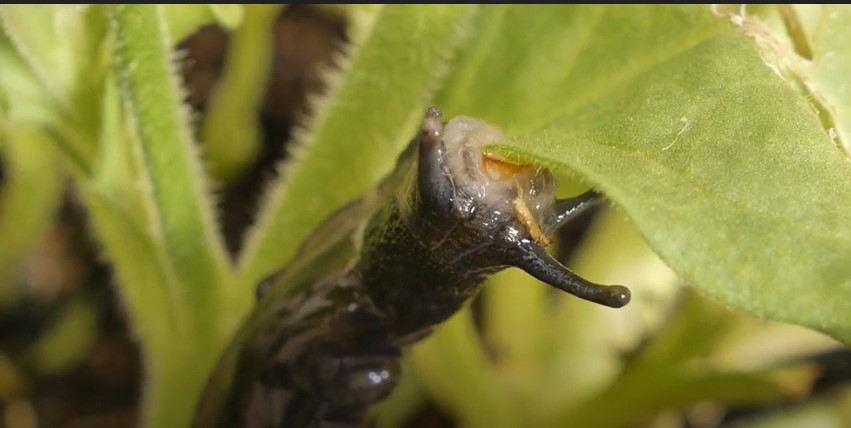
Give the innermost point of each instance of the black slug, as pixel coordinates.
(325, 340)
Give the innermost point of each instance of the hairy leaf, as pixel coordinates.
(670, 110)
(181, 208)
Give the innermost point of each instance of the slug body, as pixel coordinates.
(326, 338)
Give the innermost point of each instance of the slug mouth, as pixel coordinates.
(482, 180)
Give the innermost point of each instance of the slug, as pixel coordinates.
(325, 340)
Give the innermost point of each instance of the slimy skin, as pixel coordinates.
(325, 340)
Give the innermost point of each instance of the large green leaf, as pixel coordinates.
(670, 110)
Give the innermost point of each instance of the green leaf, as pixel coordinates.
(698, 327)
(54, 64)
(679, 367)
(832, 64)
(184, 19)
(516, 311)
(151, 296)
(180, 205)
(230, 131)
(370, 112)
(24, 97)
(68, 340)
(229, 16)
(170, 258)
(670, 110)
(832, 410)
(587, 342)
(640, 395)
(29, 196)
(177, 354)
(58, 43)
(453, 368)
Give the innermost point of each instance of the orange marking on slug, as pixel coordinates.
(528, 219)
(500, 169)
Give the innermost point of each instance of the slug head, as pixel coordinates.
(477, 211)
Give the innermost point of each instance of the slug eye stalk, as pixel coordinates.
(535, 261)
(531, 257)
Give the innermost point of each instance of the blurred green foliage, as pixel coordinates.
(718, 134)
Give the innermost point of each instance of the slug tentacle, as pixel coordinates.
(565, 210)
(534, 260)
(432, 172)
